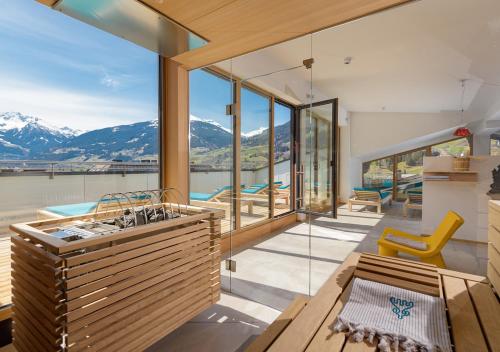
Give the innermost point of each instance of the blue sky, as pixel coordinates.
(72, 74)
(209, 96)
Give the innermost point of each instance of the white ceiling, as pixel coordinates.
(408, 59)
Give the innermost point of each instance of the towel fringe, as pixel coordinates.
(358, 332)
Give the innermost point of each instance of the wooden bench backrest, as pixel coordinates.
(367, 195)
(415, 197)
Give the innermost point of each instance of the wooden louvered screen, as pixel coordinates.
(117, 295)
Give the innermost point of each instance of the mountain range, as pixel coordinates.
(25, 137)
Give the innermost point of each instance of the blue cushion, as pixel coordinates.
(200, 196)
(283, 187)
(383, 195)
(73, 209)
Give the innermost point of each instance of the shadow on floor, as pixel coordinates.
(219, 328)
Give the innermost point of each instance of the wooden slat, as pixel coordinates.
(365, 346)
(107, 335)
(155, 274)
(397, 273)
(99, 274)
(494, 277)
(81, 312)
(401, 266)
(303, 328)
(120, 248)
(411, 263)
(488, 311)
(142, 268)
(326, 339)
(465, 326)
(398, 282)
(138, 252)
(264, 340)
(130, 306)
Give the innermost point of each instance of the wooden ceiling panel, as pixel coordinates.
(236, 27)
(184, 11)
(243, 26)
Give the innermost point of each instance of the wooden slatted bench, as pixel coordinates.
(473, 309)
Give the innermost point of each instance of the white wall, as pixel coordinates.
(372, 131)
(468, 199)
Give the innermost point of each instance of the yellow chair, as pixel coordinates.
(432, 245)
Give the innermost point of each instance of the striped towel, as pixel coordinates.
(397, 317)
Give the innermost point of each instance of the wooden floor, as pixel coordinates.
(5, 288)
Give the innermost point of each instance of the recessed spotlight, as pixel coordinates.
(347, 60)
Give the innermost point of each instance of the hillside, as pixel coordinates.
(30, 138)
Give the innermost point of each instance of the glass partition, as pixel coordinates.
(211, 143)
(254, 155)
(283, 115)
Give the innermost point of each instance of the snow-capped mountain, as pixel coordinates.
(19, 134)
(256, 132)
(27, 137)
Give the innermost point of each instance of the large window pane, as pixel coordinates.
(457, 147)
(282, 157)
(78, 114)
(254, 152)
(378, 173)
(495, 144)
(410, 167)
(211, 143)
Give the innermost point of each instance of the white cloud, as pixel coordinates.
(71, 108)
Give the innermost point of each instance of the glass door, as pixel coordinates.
(317, 157)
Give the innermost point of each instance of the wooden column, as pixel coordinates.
(174, 127)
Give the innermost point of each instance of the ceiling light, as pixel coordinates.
(347, 60)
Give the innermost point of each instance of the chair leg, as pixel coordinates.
(350, 206)
(437, 260)
(387, 251)
(405, 211)
(379, 208)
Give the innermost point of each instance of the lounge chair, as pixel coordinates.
(260, 188)
(413, 201)
(370, 196)
(427, 248)
(219, 199)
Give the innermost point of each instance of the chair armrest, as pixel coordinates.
(398, 233)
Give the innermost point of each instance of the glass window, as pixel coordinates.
(409, 172)
(254, 153)
(211, 143)
(378, 173)
(282, 157)
(78, 114)
(495, 144)
(456, 147)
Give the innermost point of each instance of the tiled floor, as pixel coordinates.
(272, 271)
